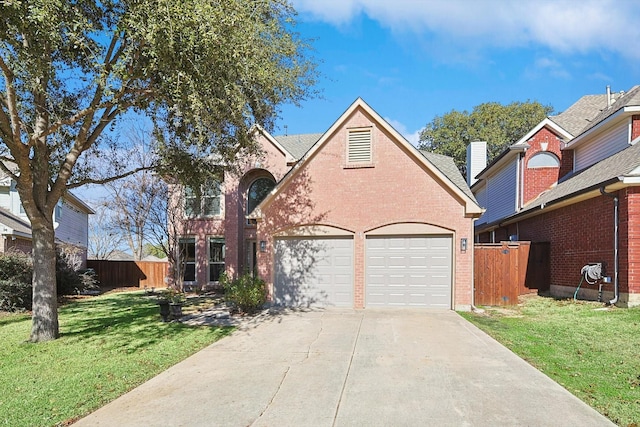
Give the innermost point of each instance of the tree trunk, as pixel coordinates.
(45, 302)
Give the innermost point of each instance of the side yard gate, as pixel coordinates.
(503, 271)
(130, 273)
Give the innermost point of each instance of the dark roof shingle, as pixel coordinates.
(447, 166)
(298, 145)
(581, 113)
(622, 163)
(15, 223)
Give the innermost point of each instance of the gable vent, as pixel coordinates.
(359, 146)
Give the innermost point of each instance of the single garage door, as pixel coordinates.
(408, 271)
(314, 272)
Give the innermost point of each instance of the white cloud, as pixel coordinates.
(412, 137)
(548, 67)
(566, 26)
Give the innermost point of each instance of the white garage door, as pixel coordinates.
(314, 272)
(408, 271)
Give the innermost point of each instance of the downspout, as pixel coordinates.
(616, 292)
(473, 265)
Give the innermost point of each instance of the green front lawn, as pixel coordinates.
(108, 345)
(591, 351)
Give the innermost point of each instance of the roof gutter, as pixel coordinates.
(561, 201)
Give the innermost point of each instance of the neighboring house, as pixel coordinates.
(71, 218)
(355, 217)
(560, 183)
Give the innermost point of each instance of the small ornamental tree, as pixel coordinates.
(204, 72)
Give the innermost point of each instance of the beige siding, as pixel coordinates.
(72, 226)
(601, 147)
(501, 192)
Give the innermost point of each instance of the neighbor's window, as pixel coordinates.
(204, 201)
(216, 258)
(543, 160)
(58, 211)
(187, 257)
(359, 146)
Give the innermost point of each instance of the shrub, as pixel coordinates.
(248, 293)
(16, 271)
(89, 280)
(67, 278)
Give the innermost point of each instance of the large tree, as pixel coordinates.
(499, 125)
(203, 71)
(103, 242)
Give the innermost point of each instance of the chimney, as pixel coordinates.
(476, 160)
(608, 96)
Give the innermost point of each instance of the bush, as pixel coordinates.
(89, 283)
(68, 281)
(248, 293)
(16, 271)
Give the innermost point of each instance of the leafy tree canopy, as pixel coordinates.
(499, 125)
(203, 71)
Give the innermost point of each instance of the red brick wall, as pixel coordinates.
(631, 257)
(395, 190)
(635, 126)
(583, 233)
(537, 180)
(22, 245)
(231, 224)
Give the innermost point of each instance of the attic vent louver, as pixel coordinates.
(359, 146)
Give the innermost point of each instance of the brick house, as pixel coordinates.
(355, 217)
(560, 184)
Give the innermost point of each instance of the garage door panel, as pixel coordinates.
(409, 271)
(313, 272)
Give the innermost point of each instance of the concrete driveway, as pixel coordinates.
(351, 368)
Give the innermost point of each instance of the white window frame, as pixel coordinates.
(546, 155)
(196, 203)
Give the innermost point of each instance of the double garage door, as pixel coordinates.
(400, 271)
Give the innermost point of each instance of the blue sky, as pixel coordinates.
(412, 60)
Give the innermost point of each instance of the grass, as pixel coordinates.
(108, 346)
(593, 353)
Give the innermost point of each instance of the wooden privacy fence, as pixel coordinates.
(503, 271)
(130, 273)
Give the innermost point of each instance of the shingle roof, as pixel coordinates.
(298, 145)
(447, 166)
(581, 114)
(16, 224)
(628, 99)
(622, 163)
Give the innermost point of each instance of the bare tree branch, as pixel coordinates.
(109, 179)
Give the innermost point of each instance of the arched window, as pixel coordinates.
(258, 190)
(543, 160)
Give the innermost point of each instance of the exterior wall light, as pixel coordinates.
(463, 244)
(263, 246)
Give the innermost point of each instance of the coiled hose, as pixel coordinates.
(591, 273)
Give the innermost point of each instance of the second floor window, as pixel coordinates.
(258, 190)
(203, 201)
